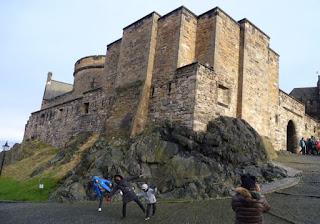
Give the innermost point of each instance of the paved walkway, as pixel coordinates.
(297, 204)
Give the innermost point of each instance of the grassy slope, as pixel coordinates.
(16, 183)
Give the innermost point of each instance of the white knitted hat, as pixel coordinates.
(144, 187)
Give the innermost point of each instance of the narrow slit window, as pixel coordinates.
(152, 91)
(86, 108)
(169, 87)
(42, 118)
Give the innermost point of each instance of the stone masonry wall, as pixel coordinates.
(218, 41)
(57, 100)
(187, 38)
(255, 85)
(110, 72)
(87, 75)
(55, 125)
(179, 105)
(273, 94)
(226, 57)
(205, 43)
(134, 73)
(206, 99)
(141, 117)
(213, 97)
(165, 64)
(292, 110)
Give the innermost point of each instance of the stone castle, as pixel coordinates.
(180, 68)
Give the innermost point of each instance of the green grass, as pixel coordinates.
(27, 190)
(16, 182)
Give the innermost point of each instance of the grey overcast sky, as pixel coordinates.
(37, 36)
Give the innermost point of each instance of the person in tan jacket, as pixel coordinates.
(248, 203)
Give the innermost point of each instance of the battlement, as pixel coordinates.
(140, 21)
(245, 20)
(181, 8)
(95, 61)
(215, 12)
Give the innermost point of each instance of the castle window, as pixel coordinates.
(314, 129)
(86, 108)
(42, 117)
(60, 113)
(93, 83)
(277, 118)
(223, 96)
(152, 91)
(306, 126)
(169, 87)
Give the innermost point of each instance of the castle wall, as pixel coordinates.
(292, 110)
(206, 32)
(57, 124)
(57, 100)
(110, 73)
(226, 58)
(187, 38)
(206, 100)
(141, 117)
(179, 106)
(178, 68)
(213, 97)
(88, 74)
(111, 65)
(218, 42)
(175, 47)
(133, 78)
(273, 94)
(254, 72)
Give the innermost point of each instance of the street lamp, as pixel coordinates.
(5, 147)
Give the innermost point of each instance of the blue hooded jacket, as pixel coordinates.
(103, 183)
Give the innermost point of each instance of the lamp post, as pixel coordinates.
(5, 147)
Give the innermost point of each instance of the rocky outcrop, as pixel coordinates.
(180, 162)
(66, 154)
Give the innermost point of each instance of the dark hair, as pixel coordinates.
(118, 175)
(248, 181)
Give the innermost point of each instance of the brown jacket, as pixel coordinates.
(249, 209)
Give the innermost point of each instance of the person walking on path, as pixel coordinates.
(148, 194)
(102, 188)
(249, 204)
(303, 146)
(127, 190)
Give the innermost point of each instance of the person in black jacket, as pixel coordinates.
(127, 190)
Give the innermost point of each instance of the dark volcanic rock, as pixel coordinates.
(180, 162)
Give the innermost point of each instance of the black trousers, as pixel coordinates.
(154, 207)
(105, 194)
(303, 150)
(124, 207)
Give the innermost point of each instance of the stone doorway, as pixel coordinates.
(292, 142)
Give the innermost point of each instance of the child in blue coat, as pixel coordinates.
(102, 188)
